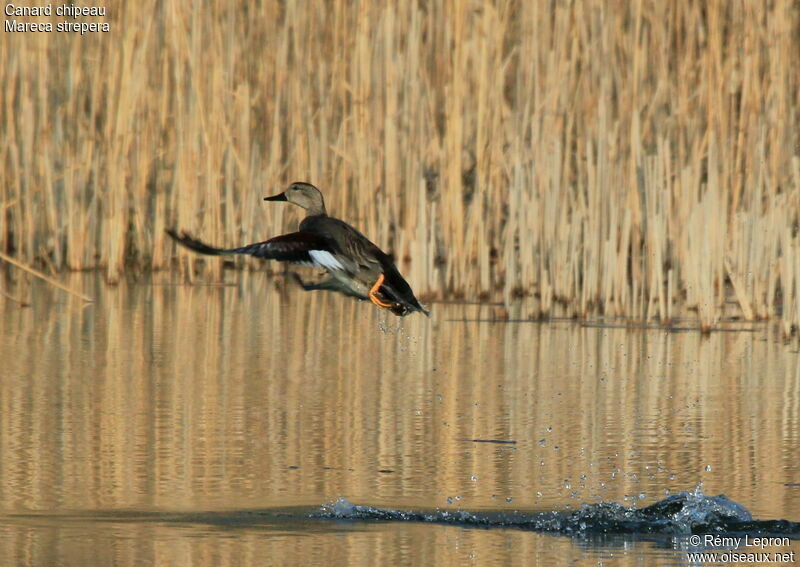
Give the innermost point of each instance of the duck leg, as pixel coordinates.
(374, 289)
(330, 284)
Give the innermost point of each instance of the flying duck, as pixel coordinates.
(356, 266)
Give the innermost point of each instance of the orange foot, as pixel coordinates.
(374, 289)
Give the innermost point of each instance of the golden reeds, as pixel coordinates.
(626, 159)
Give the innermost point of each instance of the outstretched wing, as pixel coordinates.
(296, 247)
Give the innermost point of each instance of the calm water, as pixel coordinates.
(174, 425)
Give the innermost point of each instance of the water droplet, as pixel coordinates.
(449, 500)
(671, 477)
(708, 468)
(549, 429)
(509, 500)
(458, 498)
(538, 494)
(542, 442)
(473, 478)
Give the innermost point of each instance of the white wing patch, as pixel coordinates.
(324, 259)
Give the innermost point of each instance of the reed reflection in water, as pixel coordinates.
(162, 397)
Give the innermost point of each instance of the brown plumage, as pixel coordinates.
(356, 266)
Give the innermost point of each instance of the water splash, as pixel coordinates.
(678, 514)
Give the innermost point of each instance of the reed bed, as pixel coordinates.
(633, 159)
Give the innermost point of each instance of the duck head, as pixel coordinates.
(303, 195)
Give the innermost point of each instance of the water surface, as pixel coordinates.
(175, 424)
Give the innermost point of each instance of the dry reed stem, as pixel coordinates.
(21, 302)
(41, 276)
(630, 159)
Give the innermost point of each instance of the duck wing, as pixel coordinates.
(296, 247)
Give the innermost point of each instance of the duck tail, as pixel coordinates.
(397, 290)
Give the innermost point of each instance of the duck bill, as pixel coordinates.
(278, 197)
